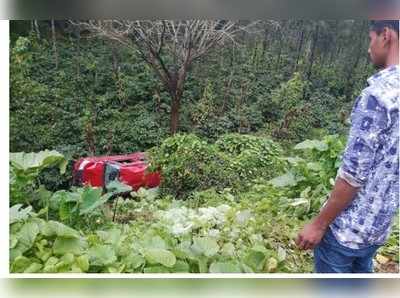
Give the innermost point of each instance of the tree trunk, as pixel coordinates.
(176, 102)
(353, 67)
(299, 48)
(333, 50)
(278, 60)
(78, 45)
(225, 96)
(115, 65)
(264, 43)
(53, 34)
(312, 54)
(176, 87)
(36, 25)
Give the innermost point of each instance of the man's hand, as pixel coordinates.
(341, 196)
(310, 236)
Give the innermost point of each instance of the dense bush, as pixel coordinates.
(188, 163)
(81, 103)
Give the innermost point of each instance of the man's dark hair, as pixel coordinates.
(378, 26)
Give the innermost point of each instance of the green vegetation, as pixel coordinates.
(248, 227)
(262, 124)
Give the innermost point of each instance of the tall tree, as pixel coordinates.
(311, 58)
(169, 47)
(53, 36)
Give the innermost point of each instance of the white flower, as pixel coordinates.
(234, 233)
(243, 216)
(256, 238)
(223, 208)
(213, 233)
(179, 229)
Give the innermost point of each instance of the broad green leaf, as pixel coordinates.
(184, 251)
(155, 241)
(91, 199)
(312, 144)
(246, 268)
(260, 248)
(42, 195)
(228, 249)
(50, 265)
(42, 212)
(83, 263)
(54, 228)
(45, 255)
(134, 260)
(117, 187)
(205, 246)
(225, 267)
(33, 268)
(66, 210)
(13, 240)
(180, 267)
(17, 213)
(101, 255)
(160, 256)
(20, 264)
(62, 266)
(255, 259)
(64, 245)
(68, 258)
(29, 162)
(27, 235)
(112, 236)
(63, 197)
(314, 166)
(285, 180)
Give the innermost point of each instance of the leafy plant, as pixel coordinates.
(188, 163)
(84, 204)
(25, 169)
(309, 178)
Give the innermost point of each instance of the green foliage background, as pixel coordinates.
(262, 127)
(102, 98)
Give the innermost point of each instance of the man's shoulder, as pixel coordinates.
(385, 91)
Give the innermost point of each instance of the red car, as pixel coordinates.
(130, 169)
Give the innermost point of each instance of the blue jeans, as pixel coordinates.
(332, 257)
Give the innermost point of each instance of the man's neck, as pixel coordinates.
(393, 58)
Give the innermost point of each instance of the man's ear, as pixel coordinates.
(387, 35)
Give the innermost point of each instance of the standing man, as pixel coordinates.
(356, 219)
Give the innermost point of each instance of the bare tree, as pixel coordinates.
(169, 47)
(53, 35)
(37, 30)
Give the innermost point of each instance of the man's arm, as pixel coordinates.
(341, 196)
(368, 120)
